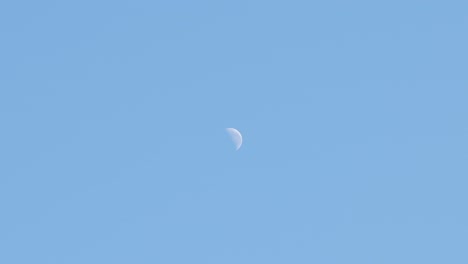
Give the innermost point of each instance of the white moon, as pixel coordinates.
(235, 136)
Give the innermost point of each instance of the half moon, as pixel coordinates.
(236, 137)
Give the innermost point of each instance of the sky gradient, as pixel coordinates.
(113, 146)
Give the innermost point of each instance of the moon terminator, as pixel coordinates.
(236, 137)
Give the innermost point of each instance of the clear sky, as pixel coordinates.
(113, 146)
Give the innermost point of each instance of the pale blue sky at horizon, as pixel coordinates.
(113, 145)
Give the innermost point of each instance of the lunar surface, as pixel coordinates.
(236, 137)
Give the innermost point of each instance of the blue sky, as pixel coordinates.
(113, 146)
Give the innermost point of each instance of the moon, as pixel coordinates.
(236, 137)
